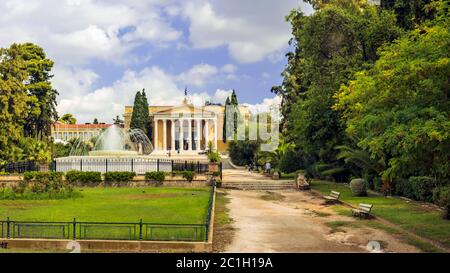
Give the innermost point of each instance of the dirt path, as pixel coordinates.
(297, 223)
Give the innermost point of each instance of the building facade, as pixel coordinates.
(65, 132)
(186, 129)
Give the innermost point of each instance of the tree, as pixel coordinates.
(13, 101)
(95, 121)
(140, 118)
(399, 109)
(146, 115)
(42, 105)
(224, 131)
(68, 119)
(231, 106)
(340, 38)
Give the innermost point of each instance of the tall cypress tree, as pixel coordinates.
(224, 131)
(136, 116)
(145, 115)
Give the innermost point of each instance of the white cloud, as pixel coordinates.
(76, 31)
(229, 68)
(251, 31)
(265, 105)
(198, 75)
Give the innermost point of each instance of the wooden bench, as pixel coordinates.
(363, 211)
(333, 197)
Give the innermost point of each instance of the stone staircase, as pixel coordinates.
(260, 185)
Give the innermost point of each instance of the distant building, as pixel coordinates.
(64, 132)
(187, 128)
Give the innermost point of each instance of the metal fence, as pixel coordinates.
(137, 165)
(76, 230)
(20, 167)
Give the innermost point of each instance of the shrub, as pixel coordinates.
(422, 188)
(155, 176)
(188, 175)
(403, 187)
(358, 187)
(214, 157)
(441, 197)
(290, 162)
(119, 176)
(377, 183)
(83, 177)
(39, 186)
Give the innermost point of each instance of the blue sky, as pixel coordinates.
(106, 50)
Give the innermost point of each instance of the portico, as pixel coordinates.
(184, 129)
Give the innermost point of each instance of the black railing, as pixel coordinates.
(77, 230)
(20, 167)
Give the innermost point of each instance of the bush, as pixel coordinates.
(242, 152)
(441, 197)
(404, 188)
(290, 162)
(422, 188)
(155, 176)
(74, 177)
(119, 176)
(377, 183)
(40, 186)
(188, 175)
(358, 187)
(214, 157)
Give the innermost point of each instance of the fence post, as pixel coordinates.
(132, 165)
(198, 167)
(81, 165)
(8, 225)
(74, 232)
(185, 165)
(140, 230)
(106, 162)
(172, 166)
(220, 170)
(157, 165)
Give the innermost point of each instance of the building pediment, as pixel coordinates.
(185, 110)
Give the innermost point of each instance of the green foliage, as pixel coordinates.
(403, 187)
(188, 175)
(330, 46)
(140, 117)
(155, 176)
(243, 152)
(111, 177)
(399, 109)
(213, 156)
(68, 119)
(40, 186)
(230, 125)
(290, 162)
(422, 188)
(27, 99)
(74, 177)
(61, 150)
(441, 197)
(358, 187)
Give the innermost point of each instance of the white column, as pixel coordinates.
(172, 132)
(199, 136)
(165, 135)
(215, 134)
(180, 137)
(156, 135)
(190, 134)
(206, 133)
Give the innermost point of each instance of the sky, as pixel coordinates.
(107, 50)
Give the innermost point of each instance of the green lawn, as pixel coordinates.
(153, 205)
(409, 216)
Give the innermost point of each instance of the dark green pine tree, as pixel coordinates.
(237, 116)
(146, 116)
(136, 116)
(224, 131)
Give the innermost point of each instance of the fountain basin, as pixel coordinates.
(112, 153)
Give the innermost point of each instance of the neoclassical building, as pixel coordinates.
(186, 128)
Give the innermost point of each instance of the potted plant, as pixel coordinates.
(213, 158)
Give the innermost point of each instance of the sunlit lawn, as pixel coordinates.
(409, 216)
(153, 205)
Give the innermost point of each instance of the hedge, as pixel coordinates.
(155, 176)
(119, 176)
(83, 177)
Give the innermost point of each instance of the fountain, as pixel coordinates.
(115, 149)
(115, 141)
